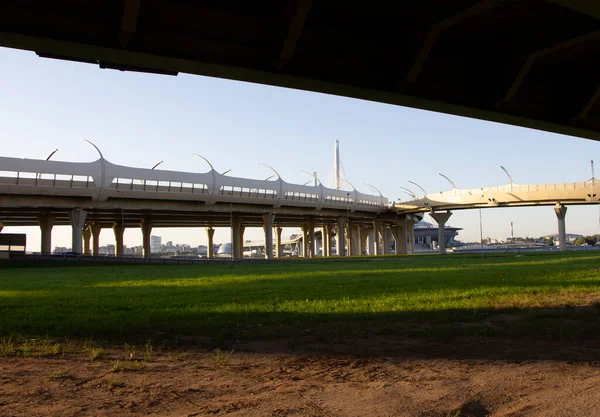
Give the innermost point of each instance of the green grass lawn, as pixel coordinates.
(529, 295)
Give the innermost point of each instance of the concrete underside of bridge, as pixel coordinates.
(531, 63)
(24, 211)
(87, 218)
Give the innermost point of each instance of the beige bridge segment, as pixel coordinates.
(506, 196)
(511, 195)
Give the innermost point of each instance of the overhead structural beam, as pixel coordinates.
(439, 27)
(590, 104)
(289, 47)
(129, 22)
(586, 7)
(543, 52)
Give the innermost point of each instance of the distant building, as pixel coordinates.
(426, 233)
(107, 250)
(155, 244)
(225, 249)
(571, 237)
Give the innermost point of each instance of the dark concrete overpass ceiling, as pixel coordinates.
(532, 63)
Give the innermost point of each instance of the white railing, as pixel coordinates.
(101, 180)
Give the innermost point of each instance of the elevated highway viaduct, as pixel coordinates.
(99, 195)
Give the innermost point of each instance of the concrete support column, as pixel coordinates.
(311, 238)
(241, 231)
(146, 227)
(210, 233)
(376, 230)
(399, 234)
(278, 245)
(118, 230)
(410, 234)
(386, 236)
(305, 241)
(402, 235)
(341, 236)
(95, 229)
(327, 240)
(363, 237)
(441, 219)
(268, 220)
(350, 246)
(46, 222)
(370, 241)
(237, 236)
(319, 244)
(353, 243)
(87, 236)
(561, 214)
(395, 235)
(77, 222)
(360, 240)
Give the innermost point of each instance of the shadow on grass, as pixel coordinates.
(265, 313)
(562, 334)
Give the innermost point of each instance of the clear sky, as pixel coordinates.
(140, 119)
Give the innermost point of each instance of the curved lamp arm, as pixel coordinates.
(448, 179)
(51, 154)
(272, 169)
(507, 174)
(375, 188)
(348, 182)
(413, 195)
(95, 147)
(157, 164)
(312, 175)
(422, 189)
(205, 160)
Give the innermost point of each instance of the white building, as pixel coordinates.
(155, 244)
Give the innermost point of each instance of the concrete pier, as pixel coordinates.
(46, 222)
(311, 238)
(376, 230)
(441, 219)
(386, 237)
(268, 220)
(95, 229)
(210, 252)
(561, 214)
(278, 245)
(118, 230)
(399, 234)
(146, 227)
(327, 240)
(237, 236)
(87, 236)
(341, 236)
(361, 239)
(410, 234)
(77, 217)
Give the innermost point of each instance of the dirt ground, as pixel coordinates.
(467, 377)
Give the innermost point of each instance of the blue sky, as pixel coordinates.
(140, 119)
